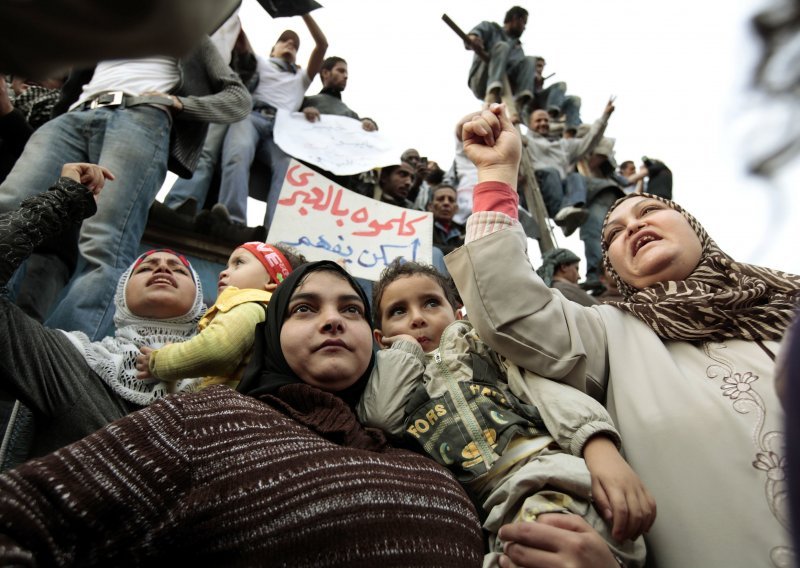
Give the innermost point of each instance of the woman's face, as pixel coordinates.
(161, 287)
(325, 337)
(649, 242)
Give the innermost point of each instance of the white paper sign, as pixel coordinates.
(326, 221)
(338, 144)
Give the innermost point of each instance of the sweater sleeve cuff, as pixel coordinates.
(485, 223)
(495, 196)
(587, 431)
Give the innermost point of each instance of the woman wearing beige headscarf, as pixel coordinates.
(685, 365)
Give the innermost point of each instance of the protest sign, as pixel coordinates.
(324, 220)
(338, 144)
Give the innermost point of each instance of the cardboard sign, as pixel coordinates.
(326, 221)
(337, 144)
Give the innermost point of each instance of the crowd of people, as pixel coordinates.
(475, 411)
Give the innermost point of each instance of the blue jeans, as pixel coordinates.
(571, 107)
(134, 144)
(198, 185)
(558, 194)
(246, 140)
(555, 96)
(503, 60)
(591, 231)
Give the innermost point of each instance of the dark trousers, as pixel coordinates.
(41, 368)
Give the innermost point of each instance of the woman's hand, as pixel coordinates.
(493, 144)
(554, 540)
(91, 175)
(619, 495)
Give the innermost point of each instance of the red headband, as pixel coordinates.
(276, 264)
(180, 257)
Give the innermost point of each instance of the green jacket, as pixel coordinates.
(464, 403)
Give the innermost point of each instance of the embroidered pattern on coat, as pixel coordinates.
(741, 387)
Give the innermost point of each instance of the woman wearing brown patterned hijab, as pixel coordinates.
(685, 364)
(676, 279)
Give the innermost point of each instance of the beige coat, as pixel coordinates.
(517, 449)
(700, 422)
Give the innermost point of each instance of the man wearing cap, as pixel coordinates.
(281, 85)
(559, 270)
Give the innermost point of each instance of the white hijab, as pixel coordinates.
(114, 358)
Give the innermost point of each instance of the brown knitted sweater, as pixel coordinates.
(218, 478)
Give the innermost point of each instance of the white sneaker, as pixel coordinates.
(570, 218)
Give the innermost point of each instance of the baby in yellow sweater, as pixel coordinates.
(222, 348)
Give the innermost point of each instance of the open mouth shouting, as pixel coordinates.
(643, 239)
(162, 279)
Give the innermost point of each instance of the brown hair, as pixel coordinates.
(401, 268)
(292, 255)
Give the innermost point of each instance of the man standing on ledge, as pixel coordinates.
(281, 85)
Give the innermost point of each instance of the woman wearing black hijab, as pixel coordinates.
(281, 475)
(269, 369)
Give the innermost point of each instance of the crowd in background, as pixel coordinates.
(652, 354)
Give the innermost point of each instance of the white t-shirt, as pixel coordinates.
(225, 37)
(132, 76)
(279, 88)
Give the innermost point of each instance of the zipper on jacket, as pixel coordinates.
(462, 407)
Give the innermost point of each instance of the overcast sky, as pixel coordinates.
(679, 71)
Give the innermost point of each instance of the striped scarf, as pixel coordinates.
(721, 299)
(36, 104)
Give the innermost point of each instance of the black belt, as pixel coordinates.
(121, 100)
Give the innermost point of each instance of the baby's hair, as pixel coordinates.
(292, 255)
(401, 268)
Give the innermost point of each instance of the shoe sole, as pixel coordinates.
(570, 223)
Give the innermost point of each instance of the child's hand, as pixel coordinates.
(388, 341)
(143, 363)
(619, 494)
(91, 175)
(493, 144)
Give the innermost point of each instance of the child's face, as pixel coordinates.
(325, 337)
(244, 271)
(415, 305)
